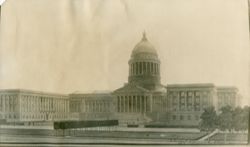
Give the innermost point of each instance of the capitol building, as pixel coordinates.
(143, 100)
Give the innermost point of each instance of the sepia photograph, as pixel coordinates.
(124, 73)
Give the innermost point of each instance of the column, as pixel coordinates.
(124, 106)
(159, 68)
(148, 67)
(125, 102)
(100, 106)
(3, 103)
(185, 99)
(153, 68)
(132, 104)
(132, 67)
(129, 103)
(95, 106)
(145, 104)
(129, 70)
(142, 65)
(156, 68)
(135, 103)
(136, 68)
(192, 100)
(120, 104)
(149, 64)
(141, 104)
(140, 68)
(138, 103)
(127, 99)
(145, 67)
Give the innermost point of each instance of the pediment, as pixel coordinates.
(131, 88)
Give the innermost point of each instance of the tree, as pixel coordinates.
(245, 118)
(208, 119)
(237, 118)
(225, 118)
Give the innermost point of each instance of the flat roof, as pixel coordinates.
(227, 88)
(31, 92)
(192, 85)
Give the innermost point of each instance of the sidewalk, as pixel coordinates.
(209, 135)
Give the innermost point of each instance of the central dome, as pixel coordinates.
(144, 65)
(144, 46)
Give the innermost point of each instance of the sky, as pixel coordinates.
(84, 45)
(2, 1)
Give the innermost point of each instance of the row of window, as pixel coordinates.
(8, 116)
(188, 100)
(50, 105)
(43, 116)
(76, 106)
(185, 117)
(8, 103)
(188, 93)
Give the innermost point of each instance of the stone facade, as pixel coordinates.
(92, 106)
(32, 106)
(228, 96)
(186, 102)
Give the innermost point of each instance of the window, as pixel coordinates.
(174, 117)
(183, 100)
(189, 117)
(190, 94)
(197, 117)
(197, 107)
(197, 99)
(181, 117)
(190, 107)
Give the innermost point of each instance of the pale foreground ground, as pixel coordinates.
(48, 140)
(20, 139)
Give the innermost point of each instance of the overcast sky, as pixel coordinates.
(84, 45)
